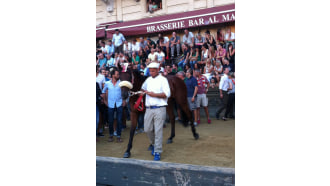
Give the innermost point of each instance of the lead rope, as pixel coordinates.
(131, 93)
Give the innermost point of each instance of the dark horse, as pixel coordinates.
(178, 93)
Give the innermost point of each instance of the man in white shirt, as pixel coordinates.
(188, 38)
(103, 48)
(135, 46)
(118, 40)
(127, 48)
(157, 92)
(152, 56)
(224, 86)
(160, 56)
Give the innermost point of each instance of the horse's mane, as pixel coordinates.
(138, 76)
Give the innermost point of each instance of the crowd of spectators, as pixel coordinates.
(208, 58)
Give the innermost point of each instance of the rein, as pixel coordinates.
(131, 93)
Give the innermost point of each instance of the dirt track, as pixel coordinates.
(215, 147)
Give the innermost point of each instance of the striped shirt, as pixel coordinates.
(202, 81)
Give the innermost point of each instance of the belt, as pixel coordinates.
(154, 107)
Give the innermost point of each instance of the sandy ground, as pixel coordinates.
(215, 147)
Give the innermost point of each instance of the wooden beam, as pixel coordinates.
(120, 171)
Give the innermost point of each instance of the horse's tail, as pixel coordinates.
(179, 93)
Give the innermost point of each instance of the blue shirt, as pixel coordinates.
(232, 91)
(146, 72)
(110, 49)
(111, 62)
(114, 94)
(118, 39)
(191, 83)
(102, 61)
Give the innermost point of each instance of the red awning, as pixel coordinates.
(100, 32)
(209, 16)
(109, 23)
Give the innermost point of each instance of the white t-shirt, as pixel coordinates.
(104, 49)
(232, 36)
(224, 82)
(188, 38)
(100, 79)
(129, 48)
(160, 56)
(121, 59)
(136, 47)
(152, 56)
(159, 84)
(166, 39)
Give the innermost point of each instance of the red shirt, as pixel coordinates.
(202, 81)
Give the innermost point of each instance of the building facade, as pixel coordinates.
(134, 20)
(128, 10)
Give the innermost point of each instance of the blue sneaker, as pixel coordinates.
(157, 156)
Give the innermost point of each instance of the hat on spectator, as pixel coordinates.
(153, 65)
(117, 29)
(141, 70)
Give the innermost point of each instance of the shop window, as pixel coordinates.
(154, 5)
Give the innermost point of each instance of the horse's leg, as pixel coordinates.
(134, 117)
(185, 108)
(170, 112)
(124, 118)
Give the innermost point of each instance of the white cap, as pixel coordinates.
(153, 65)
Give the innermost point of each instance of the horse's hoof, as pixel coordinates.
(196, 136)
(127, 154)
(169, 141)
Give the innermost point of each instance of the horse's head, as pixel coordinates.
(125, 83)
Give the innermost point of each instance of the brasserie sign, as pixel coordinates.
(193, 22)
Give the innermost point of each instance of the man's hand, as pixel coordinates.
(192, 99)
(221, 96)
(152, 94)
(124, 103)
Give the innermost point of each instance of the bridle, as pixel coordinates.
(132, 93)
